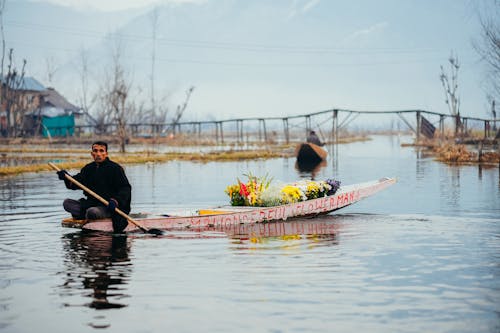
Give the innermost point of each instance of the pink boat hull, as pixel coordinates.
(230, 215)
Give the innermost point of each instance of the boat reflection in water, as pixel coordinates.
(97, 262)
(305, 167)
(320, 230)
(300, 231)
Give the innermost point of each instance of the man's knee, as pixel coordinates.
(73, 207)
(95, 213)
(68, 204)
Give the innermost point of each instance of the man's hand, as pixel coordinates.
(112, 204)
(61, 174)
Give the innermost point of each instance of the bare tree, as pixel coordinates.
(2, 9)
(450, 85)
(85, 100)
(2, 81)
(488, 45)
(12, 96)
(116, 93)
(154, 15)
(181, 108)
(51, 68)
(162, 109)
(494, 114)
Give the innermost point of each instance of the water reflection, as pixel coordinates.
(451, 190)
(309, 168)
(10, 189)
(98, 263)
(318, 230)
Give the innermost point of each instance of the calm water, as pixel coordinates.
(422, 256)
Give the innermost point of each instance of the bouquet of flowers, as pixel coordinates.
(248, 193)
(258, 191)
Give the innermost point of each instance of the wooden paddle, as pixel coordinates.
(105, 202)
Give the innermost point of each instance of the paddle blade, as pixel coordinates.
(156, 232)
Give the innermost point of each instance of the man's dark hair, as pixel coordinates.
(100, 143)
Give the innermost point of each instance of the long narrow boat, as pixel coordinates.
(233, 215)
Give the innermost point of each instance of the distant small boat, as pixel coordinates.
(310, 153)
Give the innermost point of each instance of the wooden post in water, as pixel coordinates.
(480, 151)
(264, 129)
(216, 132)
(441, 127)
(260, 131)
(286, 130)
(195, 131)
(457, 125)
(242, 133)
(418, 125)
(308, 125)
(221, 132)
(239, 129)
(486, 129)
(335, 125)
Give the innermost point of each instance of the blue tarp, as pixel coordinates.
(28, 84)
(58, 126)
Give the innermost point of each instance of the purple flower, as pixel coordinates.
(335, 184)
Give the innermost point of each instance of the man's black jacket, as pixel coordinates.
(107, 179)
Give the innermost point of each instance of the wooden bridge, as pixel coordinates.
(329, 123)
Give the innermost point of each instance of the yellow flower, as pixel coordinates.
(252, 198)
(232, 189)
(291, 194)
(312, 189)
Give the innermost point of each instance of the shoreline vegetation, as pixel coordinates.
(33, 155)
(459, 153)
(80, 158)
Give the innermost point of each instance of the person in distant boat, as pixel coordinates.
(105, 178)
(313, 138)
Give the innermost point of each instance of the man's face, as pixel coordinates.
(99, 153)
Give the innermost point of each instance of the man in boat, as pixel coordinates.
(313, 138)
(105, 178)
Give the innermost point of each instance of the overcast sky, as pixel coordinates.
(260, 57)
(112, 5)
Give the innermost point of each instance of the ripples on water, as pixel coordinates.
(421, 256)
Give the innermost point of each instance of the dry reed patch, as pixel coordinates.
(457, 153)
(454, 153)
(138, 158)
(490, 157)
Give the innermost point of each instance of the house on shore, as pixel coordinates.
(20, 95)
(30, 109)
(55, 116)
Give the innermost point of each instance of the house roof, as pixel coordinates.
(27, 84)
(51, 98)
